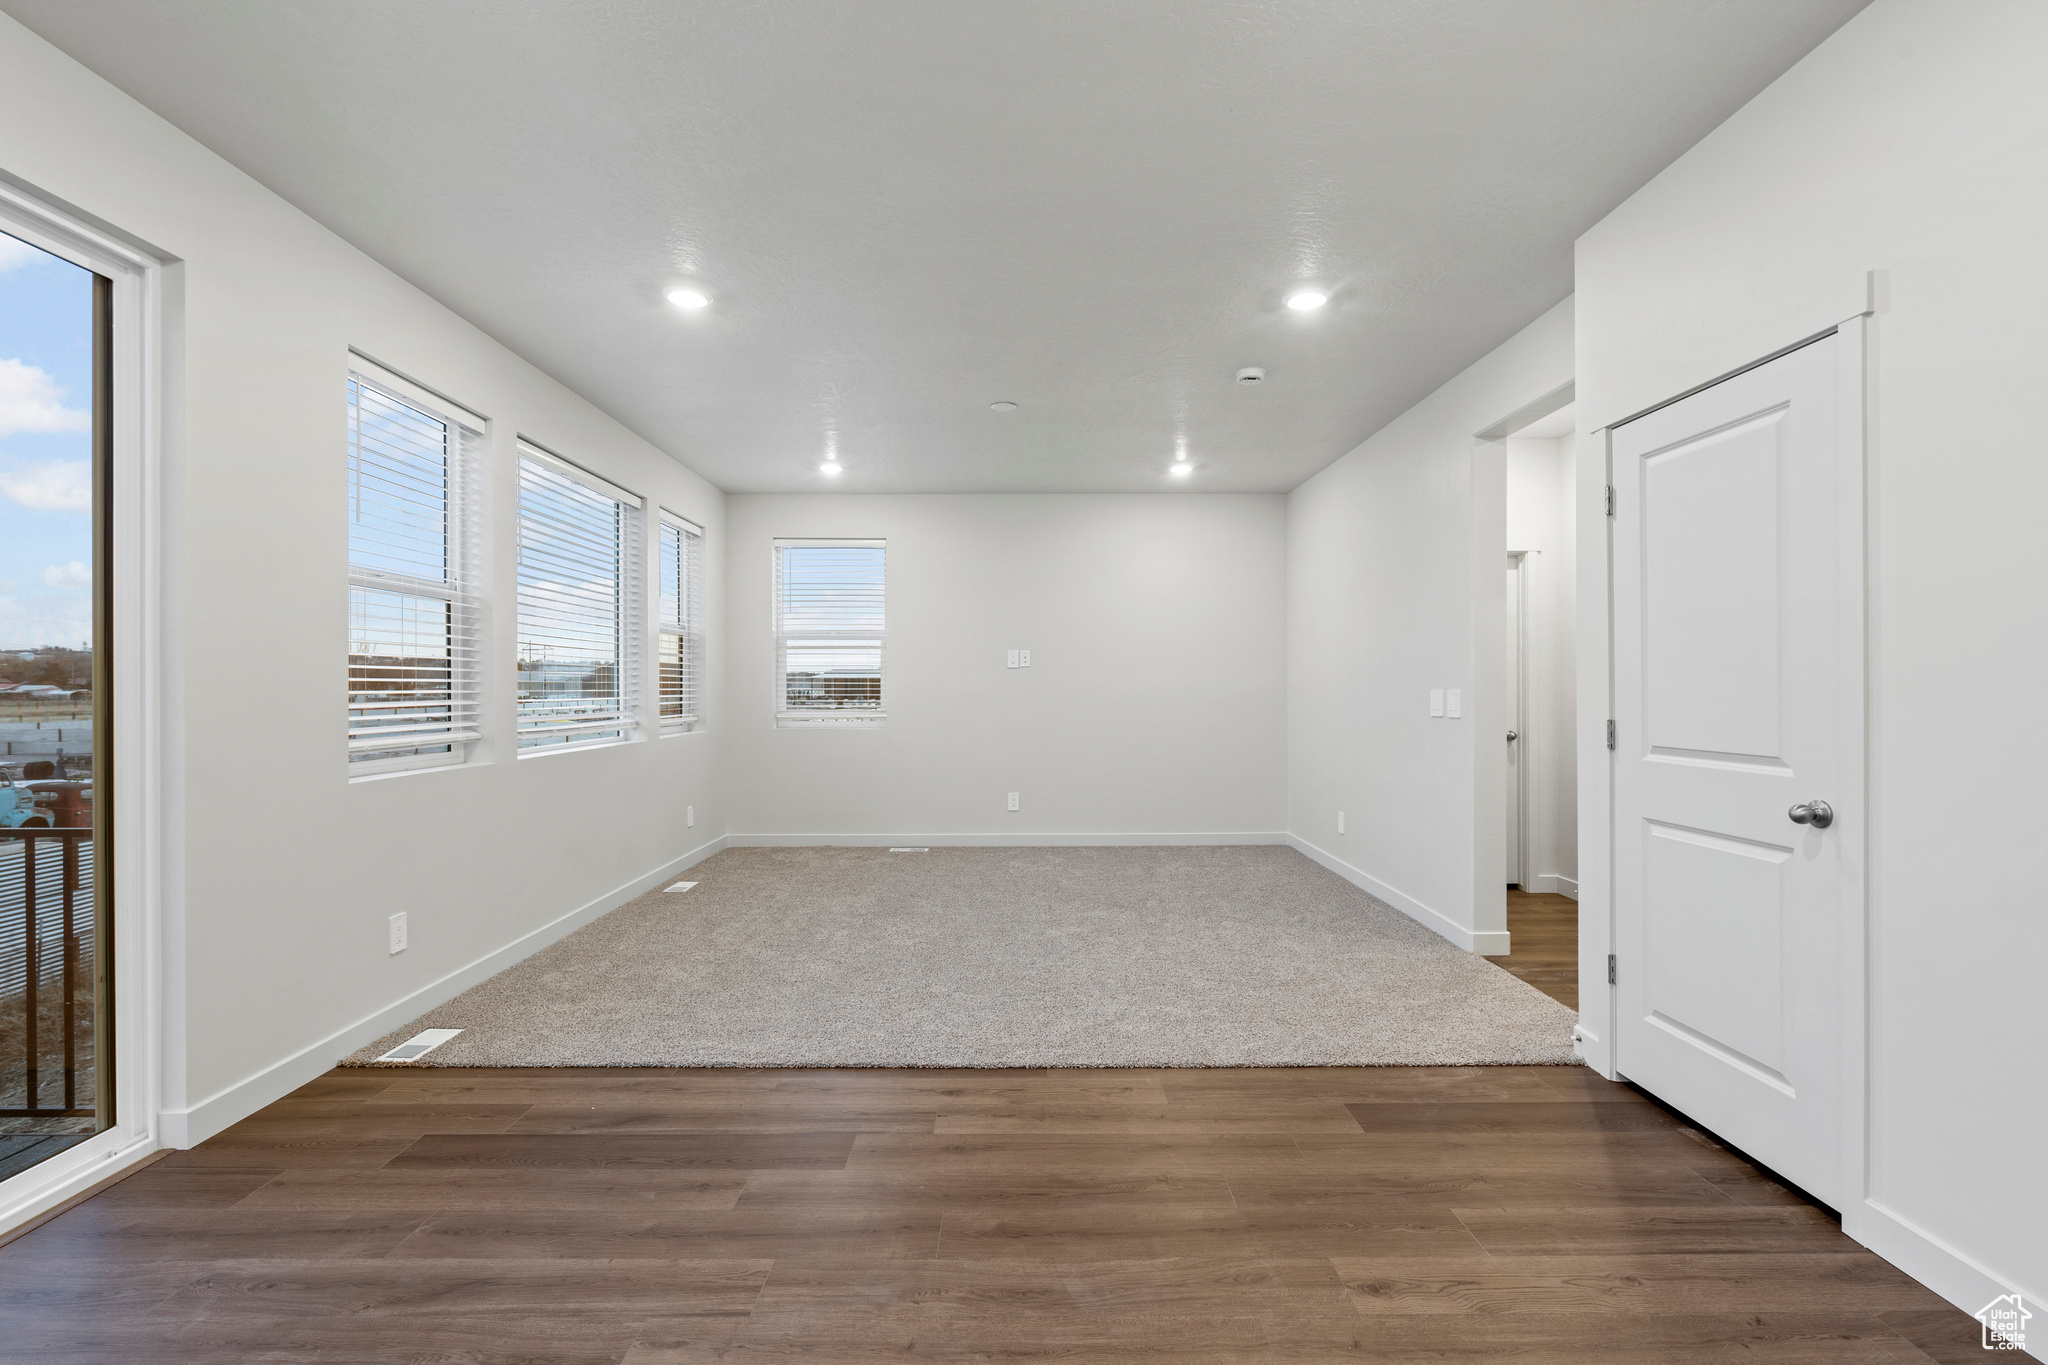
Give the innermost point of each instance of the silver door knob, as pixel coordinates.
(1819, 814)
(1512, 736)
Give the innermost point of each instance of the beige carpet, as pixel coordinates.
(988, 957)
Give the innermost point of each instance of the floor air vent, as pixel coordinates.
(419, 1045)
(679, 886)
(910, 850)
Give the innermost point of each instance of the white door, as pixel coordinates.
(1738, 704)
(1517, 745)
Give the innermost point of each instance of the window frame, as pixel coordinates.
(690, 630)
(826, 718)
(625, 724)
(468, 498)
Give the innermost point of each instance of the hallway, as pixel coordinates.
(1543, 930)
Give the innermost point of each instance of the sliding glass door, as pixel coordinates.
(56, 425)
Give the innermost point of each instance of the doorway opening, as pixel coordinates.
(56, 1083)
(1517, 684)
(1539, 802)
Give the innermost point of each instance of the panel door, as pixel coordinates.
(1738, 607)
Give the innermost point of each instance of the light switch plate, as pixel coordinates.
(1454, 703)
(1436, 701)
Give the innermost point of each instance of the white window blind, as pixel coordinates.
(829, 636)
(578, 591)
(414, 484)
(679, 626)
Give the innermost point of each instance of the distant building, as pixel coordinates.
(852, 687)
(578, 678)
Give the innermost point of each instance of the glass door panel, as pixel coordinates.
(54, 429)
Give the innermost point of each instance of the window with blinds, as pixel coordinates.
(414, 485)
(579, 663)
(829, 638)
(679, 625)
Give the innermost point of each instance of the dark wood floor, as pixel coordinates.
(676, 1217)
(1543, 939)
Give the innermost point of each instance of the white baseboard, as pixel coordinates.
(191, 1126)
(1553, 884)
(1487, 943)
(1939, 1266)
(1001, 840)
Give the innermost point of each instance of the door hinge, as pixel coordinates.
(1610, 499)
(1610, 734)
(1610, 969)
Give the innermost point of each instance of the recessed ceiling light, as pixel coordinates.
(689, 298)
(831, 469)
(1307, 300)
(1002, 405)
(1182, 470)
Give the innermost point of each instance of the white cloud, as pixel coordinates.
(14, 252)
(32, 401)
(55, 487)
(32, 623)
(62, 576)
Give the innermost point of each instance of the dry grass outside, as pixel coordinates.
(45, 711)
(49, 1054)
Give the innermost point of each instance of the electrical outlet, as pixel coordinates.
(1436, 701)
(397, 934)
(1010, 659)
(1023, 658)
(689, 817)
(1340, 822)
(1454, 704)
(1013, 802)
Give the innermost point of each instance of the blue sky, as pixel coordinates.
(45, 449)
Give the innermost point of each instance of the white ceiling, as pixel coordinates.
(907, 209)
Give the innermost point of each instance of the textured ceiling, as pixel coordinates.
(908, 209)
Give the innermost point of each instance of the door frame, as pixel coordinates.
(133, 641)
(1596, 709)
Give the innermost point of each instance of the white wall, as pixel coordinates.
(1154, 701)
(1911, 143)
(1395, 587)
(281, 872)
(1542, 524)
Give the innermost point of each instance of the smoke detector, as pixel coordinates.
(1251, 374)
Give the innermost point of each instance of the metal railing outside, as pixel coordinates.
(46, 943)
